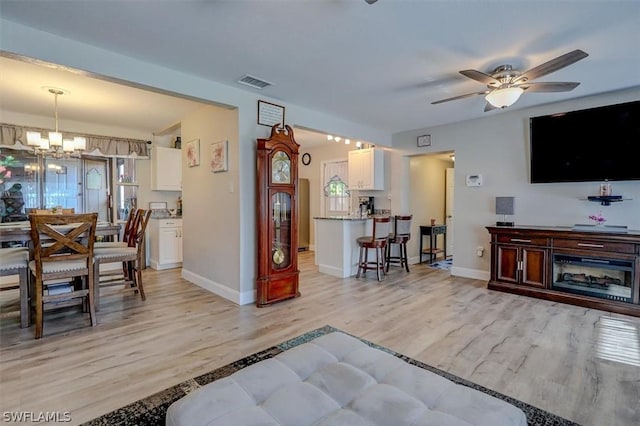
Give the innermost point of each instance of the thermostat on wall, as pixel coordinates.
(474, 180)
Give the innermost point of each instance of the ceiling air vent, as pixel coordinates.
(254, 82)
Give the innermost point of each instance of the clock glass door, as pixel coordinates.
(281, 240)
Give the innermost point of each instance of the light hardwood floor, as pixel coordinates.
(579, 363)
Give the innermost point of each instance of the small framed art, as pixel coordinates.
(193, 153)
(424, 140)
(219, 162)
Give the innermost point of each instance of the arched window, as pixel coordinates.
(336, 190)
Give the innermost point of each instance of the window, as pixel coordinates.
(336, 191)
(46, 182)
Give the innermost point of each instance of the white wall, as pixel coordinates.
(498, 148)
(211, 224)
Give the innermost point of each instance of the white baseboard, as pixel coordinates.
(332, 270)
(476, 274)
(241, 298)
(160, 267)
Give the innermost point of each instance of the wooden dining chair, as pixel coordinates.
(130, 256)
(401, 235)
(377, 241)
(126, 234)
(62, 250)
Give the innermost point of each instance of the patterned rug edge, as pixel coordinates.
(151, 410)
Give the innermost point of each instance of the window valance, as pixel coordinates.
(15, 137)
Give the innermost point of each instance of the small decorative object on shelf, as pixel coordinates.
(605, 189)
(598, 219)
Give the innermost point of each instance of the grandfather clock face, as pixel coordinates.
(280, 168)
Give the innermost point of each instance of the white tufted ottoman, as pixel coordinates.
(338, 380)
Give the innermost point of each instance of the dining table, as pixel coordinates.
(21, 231)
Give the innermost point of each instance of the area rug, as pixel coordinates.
(152, 410)
(442, 264)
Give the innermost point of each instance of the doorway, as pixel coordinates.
(431, 195)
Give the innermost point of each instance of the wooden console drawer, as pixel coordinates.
(512, 239)
(595, 245)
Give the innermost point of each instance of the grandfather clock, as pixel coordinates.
(277, 217)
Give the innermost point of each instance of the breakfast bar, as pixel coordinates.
(336, 247)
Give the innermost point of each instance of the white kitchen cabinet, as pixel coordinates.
(165, 240)
(366, 169)
(166, 169)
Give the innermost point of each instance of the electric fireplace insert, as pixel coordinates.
(610, 279)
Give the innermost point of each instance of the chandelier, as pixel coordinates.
(55, 144)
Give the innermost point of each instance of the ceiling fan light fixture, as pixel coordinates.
(502, 98)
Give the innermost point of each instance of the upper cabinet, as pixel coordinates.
(366, 169)
(166, 169)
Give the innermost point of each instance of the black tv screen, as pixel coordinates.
(588, 145)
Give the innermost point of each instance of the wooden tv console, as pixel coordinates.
(534, 261)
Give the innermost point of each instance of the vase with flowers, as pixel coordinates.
(598, 219)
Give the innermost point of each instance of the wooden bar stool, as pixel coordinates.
(401, 234)
(377, 241)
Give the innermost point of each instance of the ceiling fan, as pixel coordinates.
(505, 85)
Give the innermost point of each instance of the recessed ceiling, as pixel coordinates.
(380, 65)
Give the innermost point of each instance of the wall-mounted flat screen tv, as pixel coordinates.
(588, 145)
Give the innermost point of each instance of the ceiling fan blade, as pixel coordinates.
(564, 86)
(480, 76)
(489, 107)
(468, 95)
(552, 65)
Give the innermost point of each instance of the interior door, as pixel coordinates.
(449, 197)
(96, 187)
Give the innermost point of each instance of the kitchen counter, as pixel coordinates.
(336, 247)
(341, 218)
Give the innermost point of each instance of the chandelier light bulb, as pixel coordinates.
(55, 138)
(329, 137)
(337, 138)
(347, 141)
(68, 145)
(33, 138)
(80, 143)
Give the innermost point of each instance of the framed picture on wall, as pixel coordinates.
(270, 114)
(193, 153)
(424, 140)
(219, 151)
